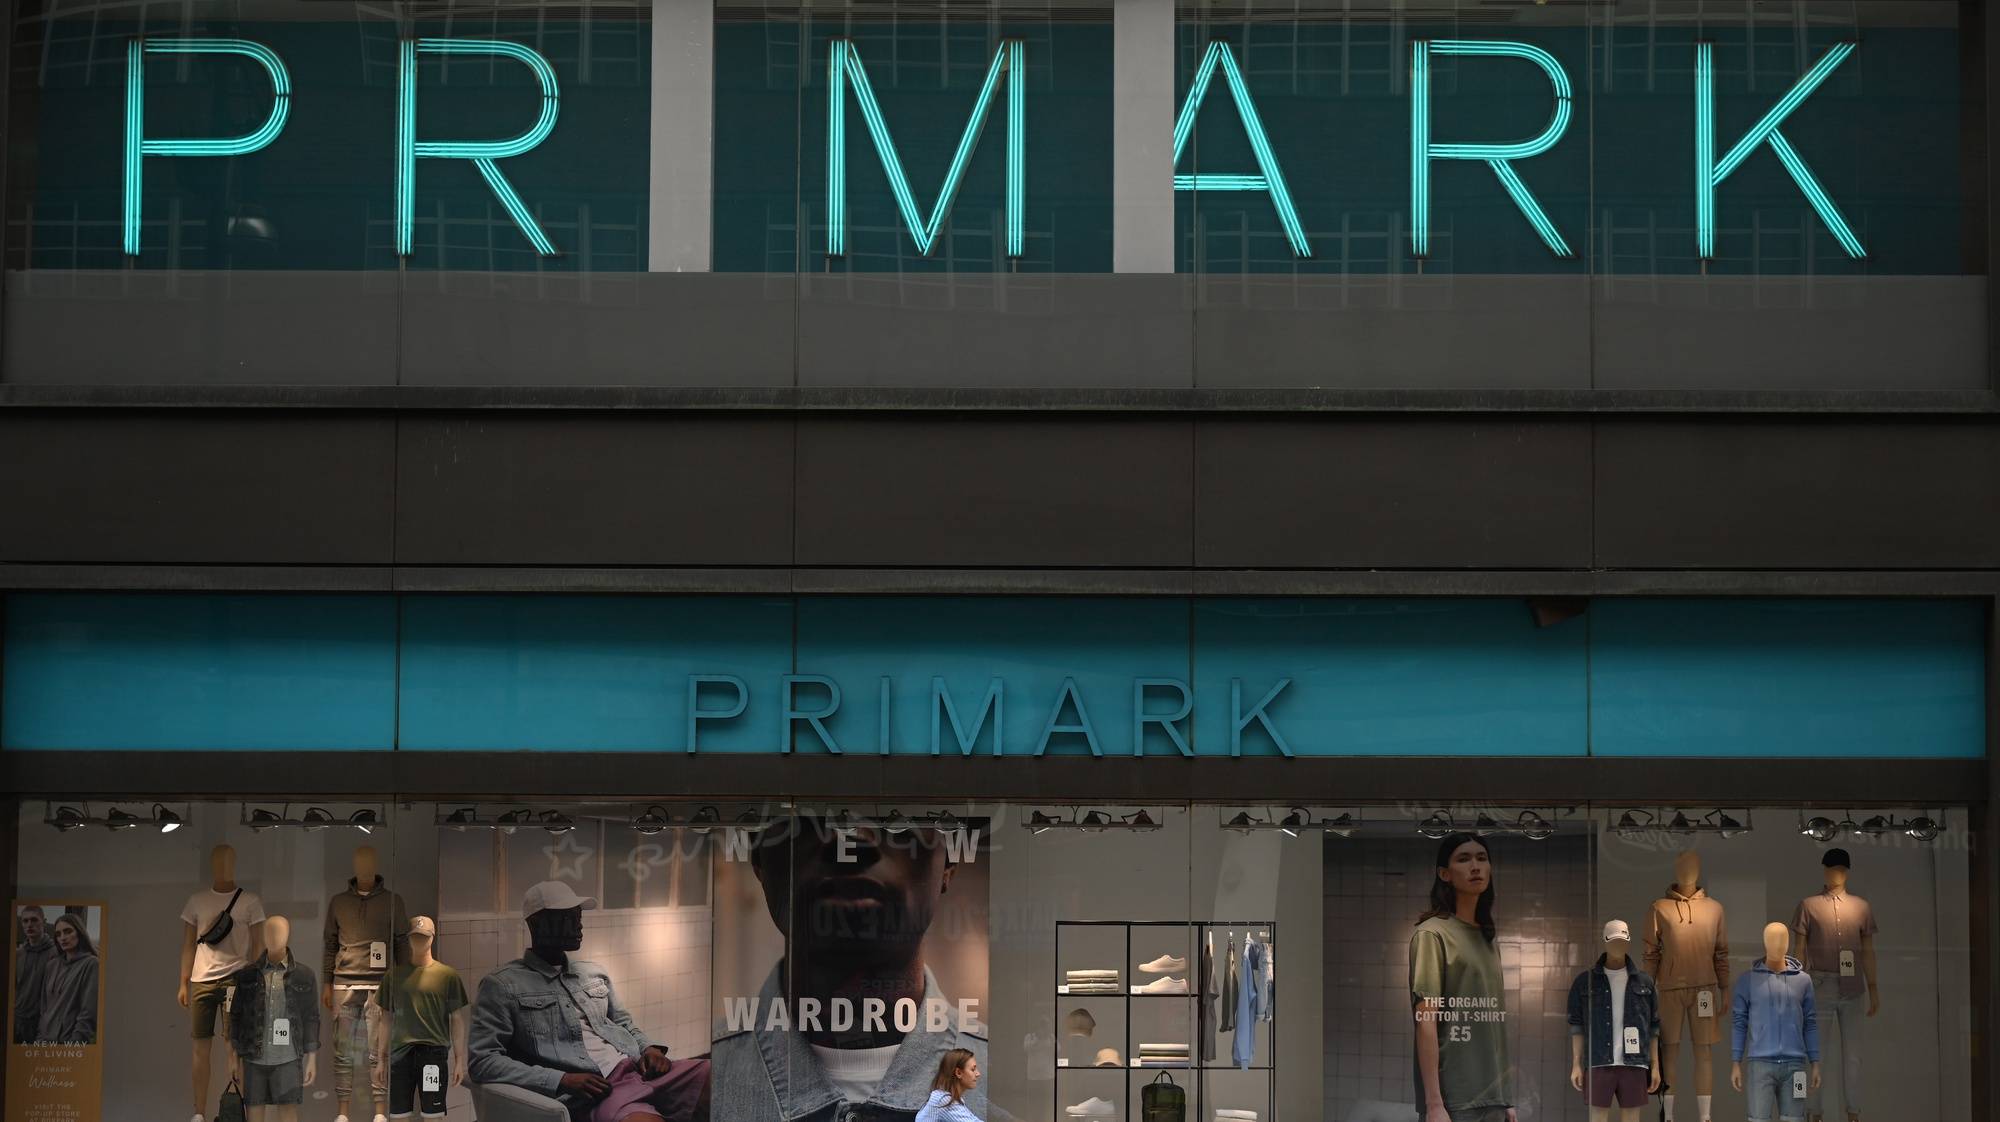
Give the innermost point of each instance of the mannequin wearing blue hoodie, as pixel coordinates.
(1775, 1030)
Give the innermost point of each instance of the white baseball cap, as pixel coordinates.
(1617, 932)
(423, 925)
(553, 895)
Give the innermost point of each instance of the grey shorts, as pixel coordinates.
(274, 1084)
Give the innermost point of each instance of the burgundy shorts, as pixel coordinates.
(1626, 1085)
(681, 1095)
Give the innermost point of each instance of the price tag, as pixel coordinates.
(1704, 1004)
(281, 1030)
(229, 1000)
(1631, 1040)
(1798, 1084)
(378, 955)
(433, 1078)
(1847, 964)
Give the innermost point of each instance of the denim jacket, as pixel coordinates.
(246, 1009)
(1590, 1014)
(774, 1076)
(527, 1024)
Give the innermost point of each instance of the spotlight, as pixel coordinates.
(1140, 820)
(1040, 823)
(1342, 825)
(946, 820)
(841, 821)
(651, 822)
(556, 822)
(461, 818)
(1242, 823)
(704, 820)
(1094, 822)
(364, 820)
(897, 823)
(1923, 828)
(749, 820)
(66, 818)
(262, 819)
(1484, 824)
(516, 817)
(1679, 824)
(1629, 822)
(1534, 827)
(1820, 829)
(1294, 821)
(120, 820)
(1728, 827)
(1437, 826)
(316, 817)
(166, 819)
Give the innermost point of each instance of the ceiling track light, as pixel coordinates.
(364, 819)
(1296, 820)
(1681, 820)
(1095, 821)
(651, 821)
(117, 819)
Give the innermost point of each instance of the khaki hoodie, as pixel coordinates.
(1687, 944)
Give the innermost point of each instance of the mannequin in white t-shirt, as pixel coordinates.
(205, 968)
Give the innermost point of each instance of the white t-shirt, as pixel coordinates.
(213, 963)
(1619, 979)
(855, 1072)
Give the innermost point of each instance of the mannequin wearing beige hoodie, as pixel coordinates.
(1687, 953)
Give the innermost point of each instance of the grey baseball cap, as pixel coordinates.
(553, 895)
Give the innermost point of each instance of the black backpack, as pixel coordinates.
(1163, 1100)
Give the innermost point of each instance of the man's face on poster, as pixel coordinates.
(32, 923)
(864, 892)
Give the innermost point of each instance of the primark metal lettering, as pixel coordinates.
(847, 78)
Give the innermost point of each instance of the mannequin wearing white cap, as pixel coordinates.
(426, 1048)
(1614, 1017)
(552, 1023)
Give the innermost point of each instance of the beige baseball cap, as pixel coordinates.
(1617, 932)
(1108, 1057)
(423, 925)
(553, 895)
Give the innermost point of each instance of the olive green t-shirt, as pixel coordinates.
(1451, 962)
(421, 1000)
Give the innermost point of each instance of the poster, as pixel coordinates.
(850, 959)
(55, 997)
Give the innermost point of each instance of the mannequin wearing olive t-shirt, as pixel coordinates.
(1457, 993)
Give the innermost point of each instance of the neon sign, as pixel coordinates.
(847, 81)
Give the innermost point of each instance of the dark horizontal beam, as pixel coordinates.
(805, 581)
(626, 776)
(797, 399)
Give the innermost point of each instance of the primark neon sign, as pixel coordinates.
(847, 77)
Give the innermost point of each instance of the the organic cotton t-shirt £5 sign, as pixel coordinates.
(217, 962)
(1452, 964)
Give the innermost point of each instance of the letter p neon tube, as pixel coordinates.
(138, 146)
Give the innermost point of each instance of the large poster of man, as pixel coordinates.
(55, 1063)
(850, 962)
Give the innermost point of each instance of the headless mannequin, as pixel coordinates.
(222, 878)
(277, 944)
(366, 867)
(1687, 876)
(1616, 957)
(1836, 885)
(1777, 941)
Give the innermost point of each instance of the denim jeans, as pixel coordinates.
(1849, 1013)
(1768, 1085)
(360, 1027)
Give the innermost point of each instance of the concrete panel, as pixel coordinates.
(953, 491)
(489, 489)
(1392, 493)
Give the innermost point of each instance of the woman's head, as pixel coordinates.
(70, 936)
(1464, 868)
(958, 1073)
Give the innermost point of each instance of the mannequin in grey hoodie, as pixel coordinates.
(364, 926)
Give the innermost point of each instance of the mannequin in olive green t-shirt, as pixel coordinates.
(1456, 990)
(425, 1051)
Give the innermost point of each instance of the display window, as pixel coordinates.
(827, 959)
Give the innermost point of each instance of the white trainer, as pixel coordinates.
(1165, 964)
(1092, 1107)
(1163, 985)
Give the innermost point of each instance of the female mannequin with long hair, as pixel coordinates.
(1456, 992)
(957, 1075)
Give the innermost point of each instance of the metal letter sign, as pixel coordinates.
(1709, 173)
(1270, 178)
(138, 147)
(843, 66)
(482, 153)
(1423, 150)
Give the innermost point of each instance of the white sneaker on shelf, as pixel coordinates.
(196, 1118)
(1165, 964)
(381, 1118)
(1163, 985)
(1092, 1107)
(336, 1118)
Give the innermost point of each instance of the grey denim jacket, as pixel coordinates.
(527, 1024)
(775, 1076)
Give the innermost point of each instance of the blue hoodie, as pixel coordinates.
(1773, 1015)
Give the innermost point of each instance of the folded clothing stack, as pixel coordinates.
(1222, 1115)
(1163, 1055)
(1093, 981)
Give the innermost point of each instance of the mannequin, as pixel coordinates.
(431, 1022)
(1614, 1012)
(1833, 934)
(274, 1029)
(1687, 954)
(362, 935)
(206, 966)
(1774, 1030)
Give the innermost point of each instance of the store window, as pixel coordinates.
(1235, 962)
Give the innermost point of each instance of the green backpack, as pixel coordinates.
(1163, 1100)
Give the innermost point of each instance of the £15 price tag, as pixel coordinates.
(1631, 1040)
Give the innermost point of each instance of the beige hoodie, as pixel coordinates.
(1687, 943)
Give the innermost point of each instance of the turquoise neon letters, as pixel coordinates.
(1270, 178)
(1423, 150)
(482, 153)
(843, 68)
(1709, 172)
(138, 147)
